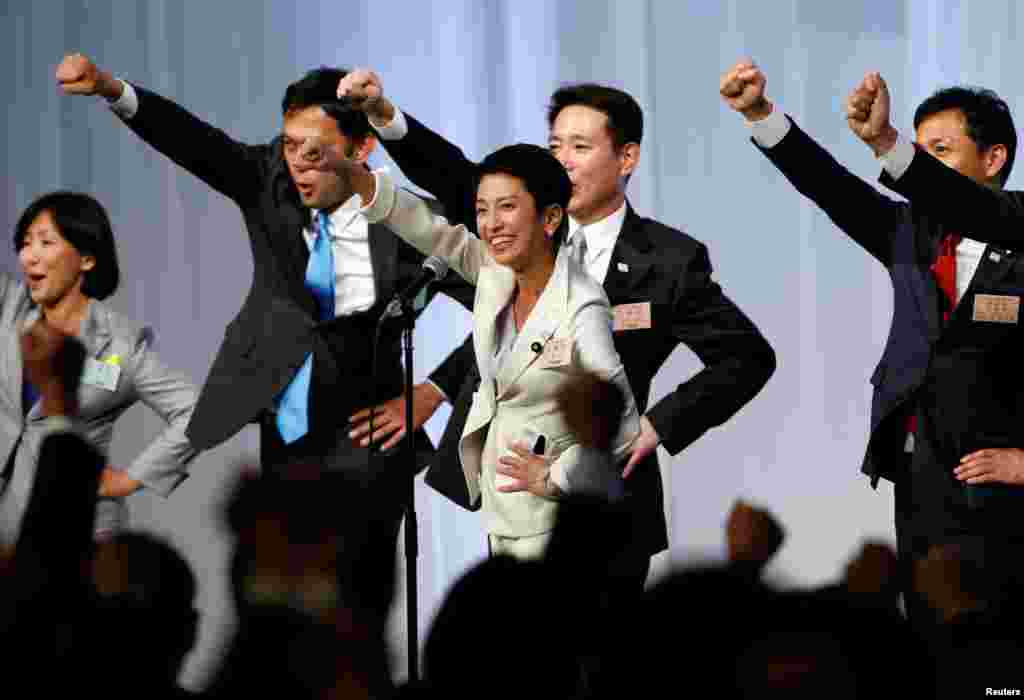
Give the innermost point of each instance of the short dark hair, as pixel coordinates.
(625, 118)
(83, 222)
(989, 122)
(318, 88)
(541, 173)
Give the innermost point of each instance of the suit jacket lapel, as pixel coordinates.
(94, 335)
(544, 320)
(630, 263)
(384, 259)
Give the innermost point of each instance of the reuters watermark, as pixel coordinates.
(1002, 692)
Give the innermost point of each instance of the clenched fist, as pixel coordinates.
(77, 75)
(867, 113)
(742, 88)
(362, 87)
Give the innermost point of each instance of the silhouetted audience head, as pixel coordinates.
(146, 590)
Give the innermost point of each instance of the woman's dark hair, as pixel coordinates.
(83, 222)
(541, 173)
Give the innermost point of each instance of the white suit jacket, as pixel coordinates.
(112, 339)
(572, 312)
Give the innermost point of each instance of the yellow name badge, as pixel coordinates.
(103, 374)
(996, 308)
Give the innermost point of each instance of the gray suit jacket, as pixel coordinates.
(572, 314)
(111, 339)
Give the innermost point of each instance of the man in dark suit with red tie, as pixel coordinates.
(948, 401)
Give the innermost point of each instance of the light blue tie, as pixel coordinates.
(293, 402)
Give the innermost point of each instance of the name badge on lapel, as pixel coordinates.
(996, 308)
(631, 317)
(557, 353)
(101, 374)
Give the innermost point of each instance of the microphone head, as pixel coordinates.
(439, 266)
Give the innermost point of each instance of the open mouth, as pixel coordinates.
(304, 190)
(35, 280)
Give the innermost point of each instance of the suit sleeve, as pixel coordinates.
(451, 373)
(162, 465)
(856, 207)
(960, 203)
(738, 361)
(438, 167)
(234, 169)
(431, 234)
(586, 470)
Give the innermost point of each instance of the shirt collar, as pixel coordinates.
(341, 217)
(602, 234)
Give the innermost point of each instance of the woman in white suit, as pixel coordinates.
(68, 260)
(539, 324)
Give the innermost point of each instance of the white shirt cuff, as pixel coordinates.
(127, 104)
(394, 130)
(383, 198)
(897, 160)
(769, 131)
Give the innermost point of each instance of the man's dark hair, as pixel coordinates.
(318, 88)
(541, 173)
(989, 122)
(82, 222)
(625, 118)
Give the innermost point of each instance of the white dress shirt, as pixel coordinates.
(768, 132)
(354, 289)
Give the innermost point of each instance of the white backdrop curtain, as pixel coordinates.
(481, 73)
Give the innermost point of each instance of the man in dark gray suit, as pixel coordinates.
(297, 358)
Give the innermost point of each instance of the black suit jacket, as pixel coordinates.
(960, 377)
(278, 324)
(650, 263)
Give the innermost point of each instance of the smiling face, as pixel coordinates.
(306, 132)
(517, 235)
(944, 135)
(581, 141)
(53, 268)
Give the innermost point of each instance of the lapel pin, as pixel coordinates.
(623, 267)
(994, 256)
(536, 347)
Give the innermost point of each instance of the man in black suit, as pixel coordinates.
(657, 279)
(948, 399)
(297, 358)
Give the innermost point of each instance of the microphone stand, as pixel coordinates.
(411, 526)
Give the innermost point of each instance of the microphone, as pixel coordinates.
(434, 269)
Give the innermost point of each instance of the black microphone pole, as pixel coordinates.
(411, 526)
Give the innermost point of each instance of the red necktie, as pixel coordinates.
(944, 269)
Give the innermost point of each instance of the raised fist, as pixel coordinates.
(867, 113)
(362, 88)
(77, 75)
(742, 88)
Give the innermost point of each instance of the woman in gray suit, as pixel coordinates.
(68, 260)
(540, 324)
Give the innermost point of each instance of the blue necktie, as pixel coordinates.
(293, 402)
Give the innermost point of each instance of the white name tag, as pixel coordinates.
(557, 353)
(101, 374)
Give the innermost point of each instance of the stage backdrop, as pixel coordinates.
(481, 73)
